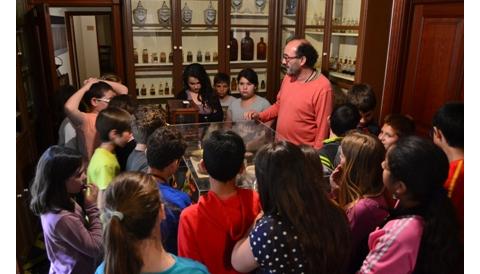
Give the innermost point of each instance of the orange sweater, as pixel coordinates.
(302, 110)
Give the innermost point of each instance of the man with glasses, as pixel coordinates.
(97, 94)
(304, 101)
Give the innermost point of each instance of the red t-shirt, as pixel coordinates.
(454, 186)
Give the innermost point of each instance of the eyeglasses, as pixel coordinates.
(106, 100)
(288, 58)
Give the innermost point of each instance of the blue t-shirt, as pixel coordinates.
(276, 247)
(175, 201)
(181, 266)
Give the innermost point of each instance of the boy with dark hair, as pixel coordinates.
(146, 120)
(165, 150)
(113, 127)
(96, 94)
(221, 83)
(363, 97)
(125, 102)
(344, 117)
(448, 135)
(209, 229)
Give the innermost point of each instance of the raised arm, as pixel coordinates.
(119, 88)
(71, 106)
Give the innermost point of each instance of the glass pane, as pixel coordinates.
(152, 43)
(249, 40)
(314, 26)
(343, 47)
(289, 11)
(200, 32)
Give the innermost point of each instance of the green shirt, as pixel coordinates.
(103, 167)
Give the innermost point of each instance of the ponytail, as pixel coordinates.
(121, 256)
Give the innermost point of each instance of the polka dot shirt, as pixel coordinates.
(276, 247)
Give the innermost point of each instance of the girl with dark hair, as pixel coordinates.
(421, 234)
(197, 87)
(73, 235)
(249, 100)
(360, 190)
(301, 230)
(133, 212)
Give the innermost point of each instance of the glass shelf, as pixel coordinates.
(342, 75)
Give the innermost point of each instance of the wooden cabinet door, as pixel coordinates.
(434, 70)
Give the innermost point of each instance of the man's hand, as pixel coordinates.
(251, 115)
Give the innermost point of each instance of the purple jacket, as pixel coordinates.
(73, 245)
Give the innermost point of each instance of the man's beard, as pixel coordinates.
(293, 71)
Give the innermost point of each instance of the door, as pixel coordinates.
(434, 70)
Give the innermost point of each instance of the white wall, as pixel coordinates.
(86, 44)
(66, 67)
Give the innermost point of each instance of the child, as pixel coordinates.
(301, 230)
(124, 102)
(421, 234)
(209, 229)
(113, 126)
(145, 121)
(165, 150)
(67, 135)
(363, 97)
(448, 135)
(73, 236)
(344, 117)
(361, 190)
(97, 96)
(394, 127)
(133, 215)
(221, 83)
(249, 101)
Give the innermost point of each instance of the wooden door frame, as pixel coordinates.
(401, 20)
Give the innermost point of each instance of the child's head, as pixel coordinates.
(247, 83)
(98, 96)
(344, 117)
(60, 173)
(114, 125)
(165, 148)
(111, 77)
(363, 97)
(314, 166)
(361, 158)
(133, 212)
(396, 126)
(125, 102)
(145, 121)
(221, 82)
(449, 121)
(223, 154)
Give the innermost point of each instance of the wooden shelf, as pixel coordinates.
(249, 15)
(342, 75)
(155, 97)
(344, 34)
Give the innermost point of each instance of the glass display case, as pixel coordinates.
(254, 134)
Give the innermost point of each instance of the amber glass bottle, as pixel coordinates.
(143, 90)
(135, 56)
(261, 50)
(145, 56)
(152, 90)
(247, 47)
(233, 47)
(233, 85)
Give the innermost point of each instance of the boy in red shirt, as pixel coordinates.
(209, 229)
(448, 135)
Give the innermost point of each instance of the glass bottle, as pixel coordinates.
(189, 57)
(137, 90)
(215, 56)
(233, 85)
(154, 57)
(145, 56)
(233, 47)
(262, 85)
(170, 57)
(135, 56)
(167, 89)
(199, 56)
(143, 91)
(261, 50)
(207, 56)
(163, 57)
(160, 89)
(247, 47)
(152, 90)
